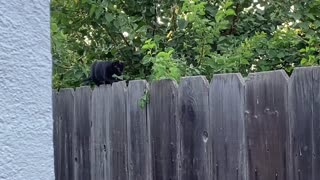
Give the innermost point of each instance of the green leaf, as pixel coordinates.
(304, 25)
(296, 16)
(182, 24)
(146, 59)
(148, 41)
(244, 61)
(148, 46)
(92, 9)
(230, 12)
(303, 50)
(304, 61)
(223, 25)
(317, 23)
(163, 54)
(113, 51)
(289, 69)
(228, 4)
(280, 55)
(54, 27)
(144, 100)
(219, 16)
(311, 16)
(212, 10)
(142, 29)
(109, 17)
(98, 12)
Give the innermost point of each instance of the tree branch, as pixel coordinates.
(114, 41)
(235, 19)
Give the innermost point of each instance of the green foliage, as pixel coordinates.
(170, 39)
(163, 65)
(145, 99)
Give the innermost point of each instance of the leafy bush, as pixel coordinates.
(170, 39)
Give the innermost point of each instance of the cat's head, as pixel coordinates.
(118, 67)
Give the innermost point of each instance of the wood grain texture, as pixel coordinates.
(265, 129)
(304, 100)
(99, 139)
(56, 134)
(64, 122)
(228, 127)
(193, 111)
(164, 130)
(266, 125)
(139, 148)
(81, 138)
(316, 125)
(118, 132)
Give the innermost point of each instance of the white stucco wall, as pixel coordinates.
(26, 151)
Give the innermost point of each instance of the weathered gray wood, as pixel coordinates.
(82, 133)
(304, 99)
(227, 124)
(99, 139)
(194, 131)
(139, 148)
(316, 125)
(56, 134)
(118, 132)
(164, 129)
(266, 125)
(300, 106)
(177, 125)
(64, 119)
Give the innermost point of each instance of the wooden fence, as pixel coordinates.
(266, 127)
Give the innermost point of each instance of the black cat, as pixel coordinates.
(102, 72)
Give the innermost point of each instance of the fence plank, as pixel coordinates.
(139, 155)
(316, 125)
(164, 127)
(194, 131)
(266, 125)
(82, 133)
(99, 140)
(304, 99)
(64, 121)
(228, 127)
(56, 134)
(118, 132)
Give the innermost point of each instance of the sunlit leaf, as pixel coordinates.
(230, 12)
